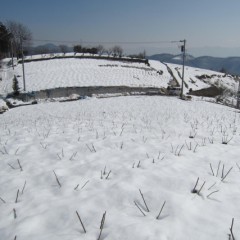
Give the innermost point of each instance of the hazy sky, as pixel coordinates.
(211, 27)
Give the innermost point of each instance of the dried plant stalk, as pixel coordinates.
(81, 222)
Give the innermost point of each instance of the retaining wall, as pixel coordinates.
(89, 91)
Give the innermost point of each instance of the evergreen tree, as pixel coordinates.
(15, 86)
(4, 40)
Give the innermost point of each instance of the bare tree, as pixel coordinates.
(20, 35)
(100, 50)
(63, 48)
(109, 51)
(117, 51)
(77, 48)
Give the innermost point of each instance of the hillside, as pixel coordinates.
(231, 64)
(85, 72)
(196, 78)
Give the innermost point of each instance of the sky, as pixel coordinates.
(211, 27)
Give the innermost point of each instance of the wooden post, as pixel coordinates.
(238, 94)
(24, 83)
(184, 56)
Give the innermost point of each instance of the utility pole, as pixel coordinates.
(238, 94)
(12, 54)
(183, 50)
(24, 83)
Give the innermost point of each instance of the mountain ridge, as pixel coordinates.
(229, 65)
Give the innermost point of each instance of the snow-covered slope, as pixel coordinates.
(197, 78)
(73, 72)
(142, 143)
(89, 72)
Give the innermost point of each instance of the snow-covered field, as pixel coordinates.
(74, 72)
(192, 80)
(89, 72)
(159, 145)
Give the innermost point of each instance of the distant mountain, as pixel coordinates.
(230, 65)
(47, 48)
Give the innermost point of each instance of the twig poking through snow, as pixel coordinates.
(195, 148)
(176, 150)
(201, 187)
(138, 164)
(212, 193)
(24, 186)
(218, 168)
(91, 149)
(104, 171)
(81, 222)
(161, 210)
(94, 150)
(19, 165)
(14, 213)
(73, 156)
(139, 209)
(16, 151)
(194, 189)
(108, 174)
(85, 184)
(103, 220)
(44, 147)
(211, 169)
(223, 171)
(210, 140)
(212, 186)
(180, 150)
(231, 230)
(11, 166)
(5, 150)
(101, 225)
(2, 200)
(17, 196)
(57, 179)
(204, 142)
(227, 173)
(144, 201)
(76, 187)
(59, 157)
(190, 145)
(225, 140)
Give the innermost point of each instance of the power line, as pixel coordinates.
(105, 42)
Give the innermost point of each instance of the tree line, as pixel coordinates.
(115, 51)
(13, 37)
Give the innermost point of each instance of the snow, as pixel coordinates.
(75, 72)
(190, 78)
(89, 72)
(79, 139)
(3, 106)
